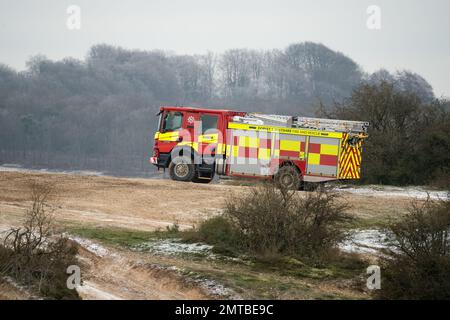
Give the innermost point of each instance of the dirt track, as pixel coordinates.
(119, 275)
(144, 204)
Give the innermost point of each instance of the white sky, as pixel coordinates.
(414, 34)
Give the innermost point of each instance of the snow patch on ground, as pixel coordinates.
(175, 247)
(209, 286)
(92, 247)
(214, 288)
(372, 241)
(88, 291)
(367, 241)
(9, 167)
(416, 192)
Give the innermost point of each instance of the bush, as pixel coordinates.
(220, 232)
(409, 140)
(36, 255)
(270, 222)
(419, 266)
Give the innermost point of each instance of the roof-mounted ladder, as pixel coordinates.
(331, 124)
(305, 122)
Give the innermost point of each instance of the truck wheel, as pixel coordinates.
(181, 168)
(288, 177)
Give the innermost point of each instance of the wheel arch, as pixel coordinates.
(184, 150)
(293, 164)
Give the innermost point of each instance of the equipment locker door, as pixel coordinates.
(323, 155)
(208, 136)
(250, 152)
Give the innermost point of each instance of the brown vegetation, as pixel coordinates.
(269, 221)
(35, 254)
(418, 267)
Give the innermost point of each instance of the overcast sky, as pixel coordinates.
(414, 34)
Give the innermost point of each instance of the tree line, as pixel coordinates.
(409, 139)
(100, 112)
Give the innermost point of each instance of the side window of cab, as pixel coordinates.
(172, 121)
(209, 123)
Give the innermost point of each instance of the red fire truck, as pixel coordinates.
(195, 144)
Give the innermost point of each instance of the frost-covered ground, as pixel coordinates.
(210, 286)
(175, 247)
(7, 167)
(371, 241)
(90, 290)
(367, 241)
(416, 192)
(91, 246)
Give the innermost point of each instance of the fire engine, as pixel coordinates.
(195, 144)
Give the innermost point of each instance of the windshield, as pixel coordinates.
(172, 121)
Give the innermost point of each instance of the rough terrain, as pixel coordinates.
(148, 205)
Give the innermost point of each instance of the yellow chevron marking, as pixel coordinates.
(350, 160)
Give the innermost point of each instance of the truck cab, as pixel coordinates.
(189, 140)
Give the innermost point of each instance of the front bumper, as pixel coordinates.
(162, 161)
(153, 160)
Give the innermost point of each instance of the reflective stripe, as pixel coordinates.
(235, 151)
(314, 158)
(220, 148)
(290, 145)
(302, 132)
(208, 138)
(251, 142)
(263, 153)
(167, 136)
(194, 145)
(329, 149)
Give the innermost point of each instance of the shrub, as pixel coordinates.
(36, 255)
(270, 222)
(220, 232)
(418, 267)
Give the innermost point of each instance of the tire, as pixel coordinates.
(288, 177)
(181, 168)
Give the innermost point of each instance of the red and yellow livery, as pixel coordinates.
(196, 144)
